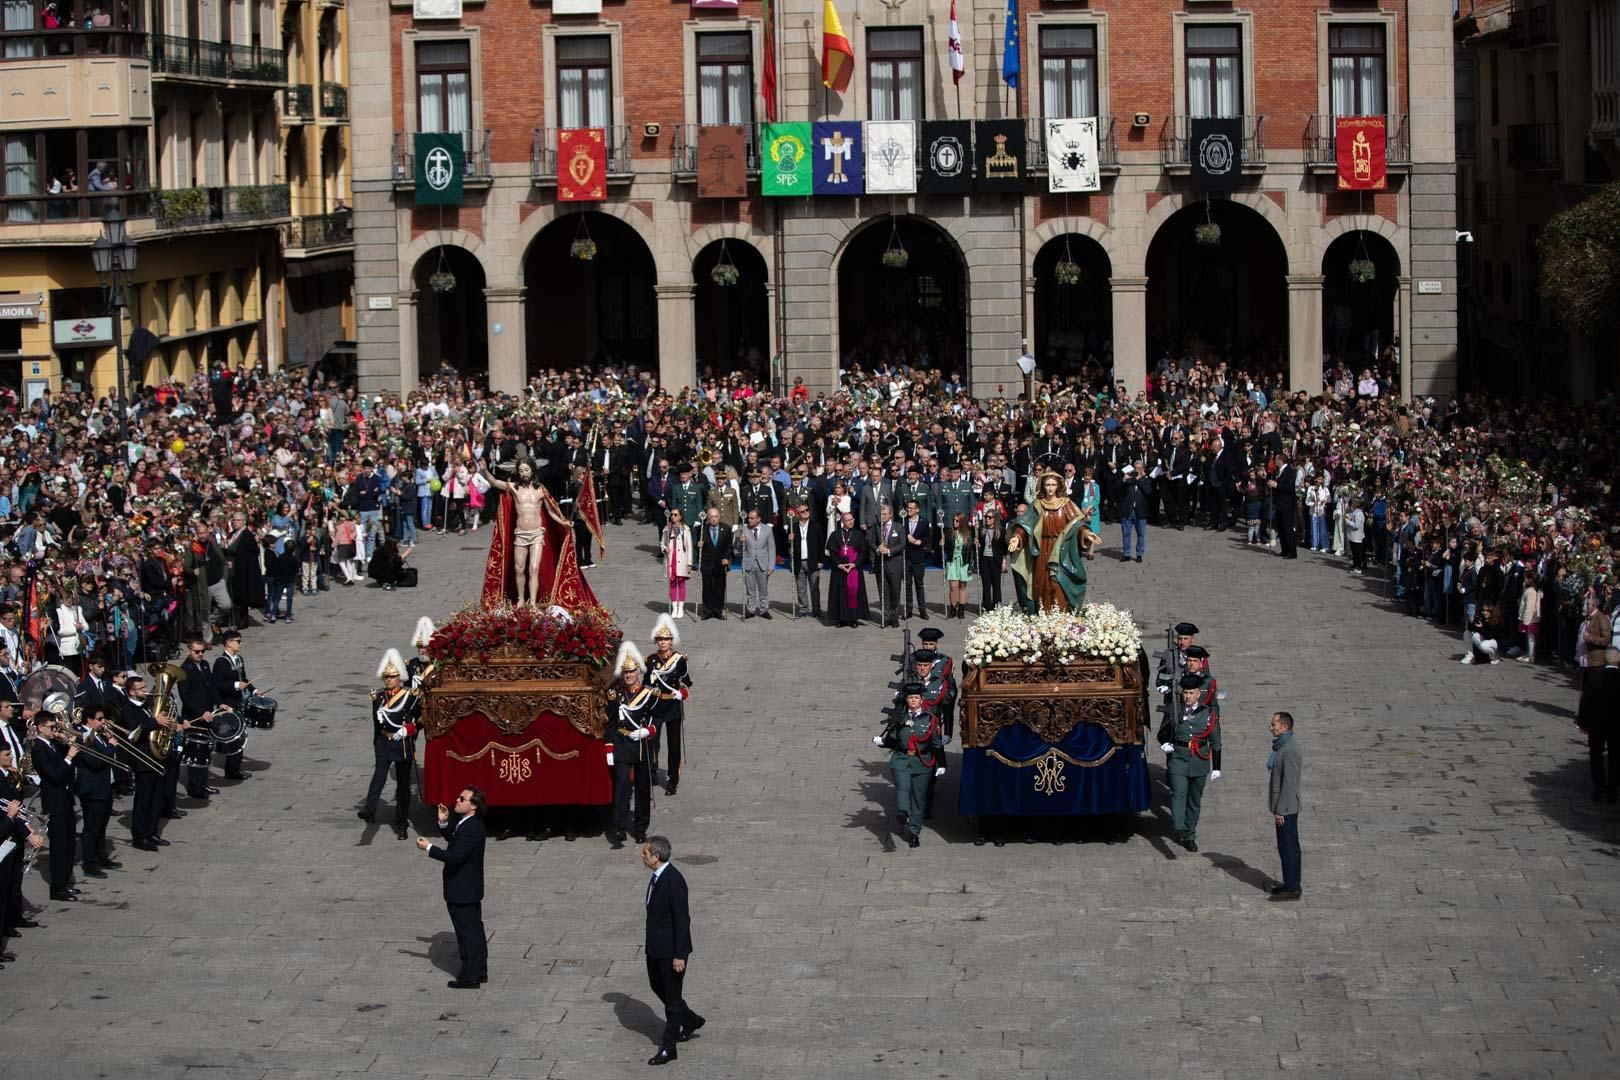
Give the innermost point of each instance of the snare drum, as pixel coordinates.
(230, 733)
(197, 748)
(259, 711)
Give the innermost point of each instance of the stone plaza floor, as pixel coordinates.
(1459, 917)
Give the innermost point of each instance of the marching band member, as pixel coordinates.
(55, 765)
(139, 722)
(633, 759)
(93, 782)
(395, 710)
(670, 681)
(10, 677)
(232, 686)
(198, 702)
(14, 830)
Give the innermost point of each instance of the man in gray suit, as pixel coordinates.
(1287, 765)
(758, 560)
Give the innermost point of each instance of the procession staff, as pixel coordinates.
(631, 728)
(916, 748)
(1193, 743)
(198, 702)
(395, 711)
(232, 686)
(669, 678)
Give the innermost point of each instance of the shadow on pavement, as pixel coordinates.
(1238, 870)
(636, 1015)
(441, 952)
(876, 818)
(1564, 794)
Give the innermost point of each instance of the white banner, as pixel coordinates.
(891, 157)
(1071, 155)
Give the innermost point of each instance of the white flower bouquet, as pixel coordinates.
(1095, 632)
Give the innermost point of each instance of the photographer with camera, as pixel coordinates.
(915, 741)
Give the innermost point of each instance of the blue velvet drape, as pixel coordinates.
(1118, 785)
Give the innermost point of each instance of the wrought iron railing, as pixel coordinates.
(475, 163)
(69, 206)
(196, 58)
(334, 101)
(181, 208)
(298, 102)
(320, 231)
(1532, 24)
(683, 151)
(543, 155)
(1175, 148)
(1321, 144)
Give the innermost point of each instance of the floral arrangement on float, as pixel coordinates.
(554, 635)
(1097, 632)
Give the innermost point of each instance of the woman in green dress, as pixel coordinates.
(958, 557)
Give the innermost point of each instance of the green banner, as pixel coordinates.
(785, 165)
(440, 160)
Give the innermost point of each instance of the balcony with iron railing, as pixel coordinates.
(543, 156)
(1107, 147)
(475, 164)
(1532, 25)
(67, 207)
(98, 42)
(1176, 149)
(334, 101)
(184, 208)
(1534, 147)
(193, 58)
(317, 232)
(298, 102)
(1322, 147)
(684, 148)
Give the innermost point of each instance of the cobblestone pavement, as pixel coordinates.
(1458, 920)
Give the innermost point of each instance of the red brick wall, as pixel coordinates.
(1094, 207)
(467, 218)
(512, 54)
(1349, 203)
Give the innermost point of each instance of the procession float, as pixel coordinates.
(513, 703)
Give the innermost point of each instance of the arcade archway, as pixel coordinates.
(594, 311)
(731, 322)
(1074, 319)
(913, 313)
(451, 327)
(1228, 298)
(1361, 275)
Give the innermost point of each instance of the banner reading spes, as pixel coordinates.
(1362, 149)
(784, 168)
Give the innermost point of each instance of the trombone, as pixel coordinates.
(128, 738)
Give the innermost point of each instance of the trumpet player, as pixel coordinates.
(14, 829)
(93, 781)
(54, 757)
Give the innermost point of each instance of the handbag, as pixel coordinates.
(407, 577)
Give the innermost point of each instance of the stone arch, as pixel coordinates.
(952, 233)
(1167, 207)
(434, 238)
(728, 230)
(1322, 238)
(671, 265)
(1054, 228)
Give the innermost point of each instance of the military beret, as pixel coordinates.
(1185, 629)
(931, 633)
(912, 688)
(1191, 682)
(1197, 652)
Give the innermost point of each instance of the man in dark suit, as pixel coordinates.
(53, 761)
(806, 541)
(714, 559)
(464, 883)
(918, 538)
(669, 943)
(93, 783)
(1285, 507)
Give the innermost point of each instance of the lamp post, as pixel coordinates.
(114, 257)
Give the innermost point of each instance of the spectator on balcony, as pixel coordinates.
(98, 179)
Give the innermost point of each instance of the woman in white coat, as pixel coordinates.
(676, 545)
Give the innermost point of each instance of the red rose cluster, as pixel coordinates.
(588, 635)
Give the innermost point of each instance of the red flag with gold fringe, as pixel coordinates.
(581, 165)
(1361, 146)
(585, 507)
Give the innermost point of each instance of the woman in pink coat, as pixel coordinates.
(676, 545)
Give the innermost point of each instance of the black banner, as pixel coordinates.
(947, 151)
(998, 153)
(1215, 151)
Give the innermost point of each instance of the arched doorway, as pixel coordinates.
(594, 311)
(732, 330)
(1360, 280)
(451, 327)
(1228, 298)
(915, 313)
(1074, 320)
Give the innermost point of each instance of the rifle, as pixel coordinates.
(1173, 693)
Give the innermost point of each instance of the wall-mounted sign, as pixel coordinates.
(1431, 287)
(436, 9)
(380, 303)
(72, 332)
(26, 312)
(576, 7)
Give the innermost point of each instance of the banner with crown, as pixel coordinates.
(581, 165)
(998, 150)
(1362, 145)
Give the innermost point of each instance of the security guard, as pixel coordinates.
(631, 730)
(916, 755)
(1172, 665)
(669, 680)
(686, 495)
(1197, 660)
(395, 711)
(915, 488)
(1193, 743)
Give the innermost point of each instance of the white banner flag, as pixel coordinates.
(891, 157)
(1071, 155)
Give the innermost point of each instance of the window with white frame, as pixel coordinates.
(1214, 70)
(1356, 69)
(1068, 71)
(585, 81)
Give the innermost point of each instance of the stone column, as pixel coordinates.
(406, 303)
(508, 367)
(1305, 332)
(677, 353)
(1403, 327)
(1129, 295)
(771, 335)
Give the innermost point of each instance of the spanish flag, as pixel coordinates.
(837, 58)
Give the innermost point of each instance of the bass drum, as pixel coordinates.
(259, 711)
(197, 748)
(229, 730)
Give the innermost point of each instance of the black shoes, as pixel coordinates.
(1139, 558)
(144, 845)
(1285, 895)
(764, 614)
(367, 816)
(669, 789)
(64, 895)
(663, 1057)
(615, 840)
(111, 864)
(639, 837)
(399, 829)
(159, 841)
(691, 1030)
(94, 871)
(912, 841)
(1190, 845)
(461, 984)
(238, 776)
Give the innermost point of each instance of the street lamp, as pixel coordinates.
(113, 255)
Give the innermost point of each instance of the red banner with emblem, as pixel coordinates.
(548, 763)
(1362, 144)
(581, 165)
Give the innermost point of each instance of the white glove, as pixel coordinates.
(1168, 747)
(638, 734)
(398, 736)
(610, 757)
(939, 771)
(1164, 689)
(877, 741)
(1216, 775)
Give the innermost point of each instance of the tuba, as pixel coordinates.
(705, 459)
(164, 705)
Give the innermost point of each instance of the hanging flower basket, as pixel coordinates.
(583, 249)
(1207, 234)
(896, 258)
(724, 275)
(442, 281)
(1066, 273)
(1362, 271)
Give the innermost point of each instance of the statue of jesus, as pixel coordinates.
(1047, 548)
(532, 504)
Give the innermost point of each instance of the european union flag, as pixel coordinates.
(1009, 47)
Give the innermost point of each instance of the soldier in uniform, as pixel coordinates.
(419, 668)
(1172, 666)
(395, 710)
(914, 488)
(670, 682)
(955, 497)
(1193, 743)
(916, 748)
(945, 669)
(686, 495)
(631, 728)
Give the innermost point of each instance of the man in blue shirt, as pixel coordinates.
(368, 492)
